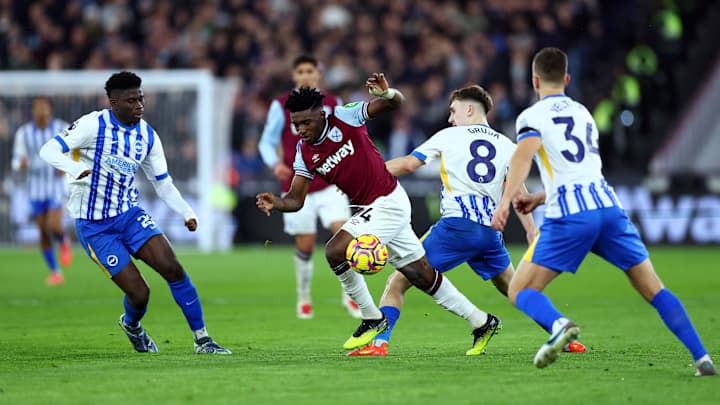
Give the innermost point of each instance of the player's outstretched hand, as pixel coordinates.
(500, 216)
(191, 224)
(526, 203)
(377, 84)
(282, 172)
(266, 202)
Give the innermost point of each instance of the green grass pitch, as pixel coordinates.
(62, 345)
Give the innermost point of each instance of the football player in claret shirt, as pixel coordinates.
(473, 160)
(337, 147)
(277, 148)
(112, 227)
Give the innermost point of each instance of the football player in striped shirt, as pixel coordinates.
(47, 186)
(112, 227)
(473, 163)
(582, 215)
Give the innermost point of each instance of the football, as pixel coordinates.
(366, 254)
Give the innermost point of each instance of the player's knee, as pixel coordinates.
(172, 270)
(334, 253)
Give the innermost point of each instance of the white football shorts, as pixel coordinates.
(388, 218)
(328, 204)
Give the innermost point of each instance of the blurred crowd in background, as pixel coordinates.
(621, 55)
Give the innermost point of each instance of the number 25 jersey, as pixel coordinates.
(568, 159)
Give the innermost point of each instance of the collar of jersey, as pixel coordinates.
(554, 95)
(324, 133)
(120, 124)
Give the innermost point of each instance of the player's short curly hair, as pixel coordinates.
(473, 93)
(122, 81)
(304, 98)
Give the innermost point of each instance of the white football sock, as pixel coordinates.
(559, 324)
(448, 297)
(303, 276)
(200, 333)
(354, 285)
(702, 359)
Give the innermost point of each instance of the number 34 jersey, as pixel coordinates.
(568, 159)
(473, 164)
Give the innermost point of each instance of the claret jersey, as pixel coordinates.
(345, 155)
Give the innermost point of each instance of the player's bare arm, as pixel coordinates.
(291, 202)
(403, 165)
(526, 203)
(527, 221)
(388, 99)
(519, 169)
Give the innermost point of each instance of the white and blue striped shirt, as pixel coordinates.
(44, 181)
(569, 159)
(473, 163)
(114, 152)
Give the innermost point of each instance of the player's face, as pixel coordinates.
(309, 124)
(128, 105)
(306, 75)
(458, 113)
(41, 110)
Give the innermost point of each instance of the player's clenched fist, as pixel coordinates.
(526, 203)
(266, 202)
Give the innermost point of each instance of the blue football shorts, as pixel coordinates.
(39, 207)
(454, 241)
(110, 242)
(563, 243)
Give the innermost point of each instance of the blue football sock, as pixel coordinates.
(49, 255)
(537, 306)
(132, 315)
(673, 313)
(186, 297)
(392, 314)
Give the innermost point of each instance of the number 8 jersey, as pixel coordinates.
(568, 159)
(473, 164)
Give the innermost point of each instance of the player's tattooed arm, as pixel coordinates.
(291, 202)
(387, 98)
